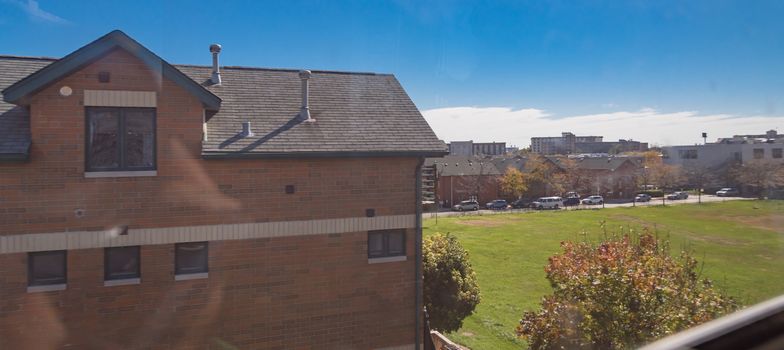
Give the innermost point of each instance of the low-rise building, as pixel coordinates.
(149, 205)
(738, 149)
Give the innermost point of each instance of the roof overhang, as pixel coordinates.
(16, 157)
(339, 154)
(55, 71)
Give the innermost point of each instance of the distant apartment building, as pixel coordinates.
(768, 147)
(569, 143)
(770, 136)
(611, 147)
(471, 148)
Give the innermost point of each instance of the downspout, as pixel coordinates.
(418, 257)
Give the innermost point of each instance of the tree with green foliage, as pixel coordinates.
(451, 292)
(619, 294)
(540, 176)
(514, 183)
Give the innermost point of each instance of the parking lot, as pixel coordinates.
(655, 201)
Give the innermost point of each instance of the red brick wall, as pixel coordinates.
(301, 292)
(298, 291)
(41, 196)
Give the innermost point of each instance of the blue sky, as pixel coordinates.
(558, 60)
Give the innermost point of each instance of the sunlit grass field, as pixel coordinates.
(740, 242)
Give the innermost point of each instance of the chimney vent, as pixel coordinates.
(246, 131)
(304, 112)
(215, 49)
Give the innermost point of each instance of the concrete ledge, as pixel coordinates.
(441, 342)
(123, 282)
(99, 174)
(36, 242)
(120, 98)
(191, 276)
(46, 288)
(387, 259)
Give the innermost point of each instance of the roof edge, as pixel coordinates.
(15, 157)
(85, 54)
(333, 154)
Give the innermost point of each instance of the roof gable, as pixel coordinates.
(90, 52)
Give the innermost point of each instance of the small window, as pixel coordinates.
(122, 263)
(46, 268)
(759, 153)
(386, 243)
(688, 153)
(190, 258)
(777, 153)
(120, 139)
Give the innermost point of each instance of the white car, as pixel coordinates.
(548, 203)
(466, 205)
(593, 200)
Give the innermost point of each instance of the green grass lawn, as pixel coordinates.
(740, 242)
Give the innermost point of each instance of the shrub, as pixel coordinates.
(450, 289)
(619, 294)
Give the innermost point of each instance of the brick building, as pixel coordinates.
(149, 205)
(568, 143)
(465, 177)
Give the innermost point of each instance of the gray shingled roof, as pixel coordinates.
(15, 120)
(599, 163)
(463, 166)
(356, 114)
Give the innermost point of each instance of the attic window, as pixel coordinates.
(120, 139)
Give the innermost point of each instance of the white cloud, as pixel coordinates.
(35, 12)
(516, 127)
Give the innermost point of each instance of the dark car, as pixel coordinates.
(642, 197)
(571, 201)
(521, 203)
(497, 204)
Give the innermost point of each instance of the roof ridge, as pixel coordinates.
(323, 71)
(38, 58)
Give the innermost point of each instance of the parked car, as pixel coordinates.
(466, 205)
(642, 197)
(727, 192)
(497, 204)
(521, 203)
(677, 195)
(593, 200)
(571, 201)
(548, 203)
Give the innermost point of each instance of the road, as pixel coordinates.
(653, 202)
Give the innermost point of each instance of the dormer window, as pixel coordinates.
(120, 139)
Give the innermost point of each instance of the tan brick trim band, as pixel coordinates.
(35, 242)
(120, 98)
